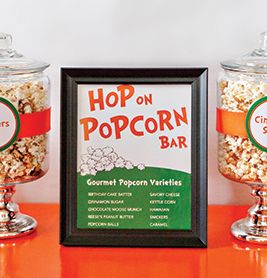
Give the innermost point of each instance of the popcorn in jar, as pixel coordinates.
(242, 128)
(24, 126)
(239, 159)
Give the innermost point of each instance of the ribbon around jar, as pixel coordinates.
(231, 123)
(35, 123)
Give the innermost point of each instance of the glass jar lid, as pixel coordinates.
(12, 62)
(252, 62)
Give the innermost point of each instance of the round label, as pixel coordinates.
(256, 124)
(9, 124)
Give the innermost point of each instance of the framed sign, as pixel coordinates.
(133, 157)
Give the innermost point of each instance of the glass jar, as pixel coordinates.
(242, 127)
(238, 158)
(24, 125)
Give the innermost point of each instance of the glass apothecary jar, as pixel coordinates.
(242, 139)
(24, 127)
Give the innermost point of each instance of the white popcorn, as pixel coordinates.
(90, 150)
(113, 157)
(105, 160)
(120, 162)
(97, 154)
(129, 165)
(107, 151)
(92, 172)
(98, 160)
(141, 166)
(91, 163)
(109, 167)
(25, 158)
(260, 173)
(84, 169)
(238, 158)
(99, 166)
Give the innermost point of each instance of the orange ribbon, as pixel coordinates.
(36, 123)
(231, 123)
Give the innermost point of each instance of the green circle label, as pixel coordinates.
(9, 124)
(256, 124)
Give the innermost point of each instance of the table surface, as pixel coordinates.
(40, 255)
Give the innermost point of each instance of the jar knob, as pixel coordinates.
(5, 41)
(263, 41)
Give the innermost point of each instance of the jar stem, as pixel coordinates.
(253, 228)
(12, 222)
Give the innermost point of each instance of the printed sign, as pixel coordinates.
(256, 124)
(9, 124)
(134, 156)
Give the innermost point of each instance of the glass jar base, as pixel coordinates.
(243, 230)
(20, 226)
(12, 222)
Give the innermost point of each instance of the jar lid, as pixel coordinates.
(252, 62)
(12, 62)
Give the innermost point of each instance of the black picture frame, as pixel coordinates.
(69, 234)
